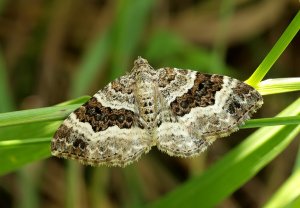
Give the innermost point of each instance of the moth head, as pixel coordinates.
(140, 62)
(140, 66)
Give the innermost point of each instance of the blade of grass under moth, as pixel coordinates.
(36, 115)
(21, 142)
(12, 157)
(275, 121)
(54, 113)
(280, 85)
(275, 52)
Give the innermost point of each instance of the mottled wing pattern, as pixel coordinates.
(105, 130)
(198, 108)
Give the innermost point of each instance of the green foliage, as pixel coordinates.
(289, 193)
(276, 51)
(274, 86)
(25, 135)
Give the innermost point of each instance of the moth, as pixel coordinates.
(180, 111)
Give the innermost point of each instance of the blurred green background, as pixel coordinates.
(52, 51)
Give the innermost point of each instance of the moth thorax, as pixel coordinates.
(146, 98)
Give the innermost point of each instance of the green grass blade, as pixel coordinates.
(280, 85)
(275, 52)
(297, 163)
(25, 135)
(235, 168)
(295, 203)
(36, 115)
(13, 157)
(20, 142)
(78, 100)
(276, 121)
(287, 193)
(54, 113)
